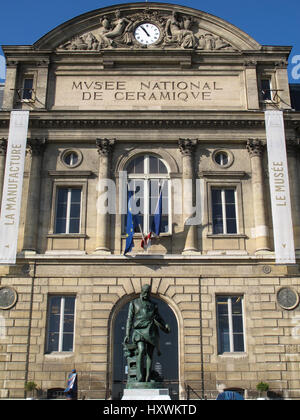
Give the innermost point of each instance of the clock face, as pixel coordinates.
(8, 297)
(287, 298)
(147, 33)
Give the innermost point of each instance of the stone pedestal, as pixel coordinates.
(146, 394)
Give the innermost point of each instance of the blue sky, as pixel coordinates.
(270, 22)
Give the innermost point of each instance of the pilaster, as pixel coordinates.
(103, 234)
(187, 148)
(3, 148)
(251, 85)
(10, 85)
(255, 148)
(36, 150)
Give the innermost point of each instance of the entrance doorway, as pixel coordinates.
(166, 364)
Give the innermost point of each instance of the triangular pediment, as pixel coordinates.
(125, 27)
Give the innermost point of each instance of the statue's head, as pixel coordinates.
(145, 292)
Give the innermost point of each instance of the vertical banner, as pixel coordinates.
(12, 188)
(279, 187)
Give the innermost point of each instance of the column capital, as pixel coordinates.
(3, 146)
(36, 146)
(12, 63)
(250, 63)
(105, 146)
(255, 147)
(186, 146)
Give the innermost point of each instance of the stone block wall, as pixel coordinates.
(272, 334)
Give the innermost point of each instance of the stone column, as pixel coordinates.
(103, 234)
(282, 82)
(293, 147)
(255, 148)
(187, 148)
(3, 147)
(41, 84)
(36, 149)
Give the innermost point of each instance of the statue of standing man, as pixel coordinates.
(144, 319)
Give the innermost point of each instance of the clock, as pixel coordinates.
(287, 298)
(8, 297)
(147, 33)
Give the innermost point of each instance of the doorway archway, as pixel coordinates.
(166, 365)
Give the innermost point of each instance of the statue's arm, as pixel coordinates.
(161, 323)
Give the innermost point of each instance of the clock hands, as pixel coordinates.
(151, 31)
(145, 30)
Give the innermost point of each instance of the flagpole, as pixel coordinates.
(160, 186)
(141, 231)
(143, 237)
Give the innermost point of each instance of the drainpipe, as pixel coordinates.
(29, 324)
(201, 339)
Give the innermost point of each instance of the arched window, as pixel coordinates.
(147, 177)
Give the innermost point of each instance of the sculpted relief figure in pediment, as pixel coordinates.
(160, 30)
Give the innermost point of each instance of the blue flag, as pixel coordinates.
(156, 223)
(132, 221)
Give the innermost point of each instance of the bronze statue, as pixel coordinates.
(144, 319)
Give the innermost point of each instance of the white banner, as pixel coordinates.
(280, 189)
(12, 189)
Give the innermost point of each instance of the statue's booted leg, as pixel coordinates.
(149, 358)
(140, 361)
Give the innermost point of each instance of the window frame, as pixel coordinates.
(68, 210)
(69, 152)
(268, 75)
(210, 184)
(27, 76)
(223, 203)
(61, 323)
(146, 178)
(228, 153)
(68, 183)
(29, 90)
(270, 99)
(230, 324)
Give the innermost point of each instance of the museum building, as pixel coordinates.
(168, 102)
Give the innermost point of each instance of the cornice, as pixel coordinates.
(139, 124)
(163, 120)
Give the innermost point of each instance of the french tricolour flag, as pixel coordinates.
(156, 223)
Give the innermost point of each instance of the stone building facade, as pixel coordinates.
(158, 92)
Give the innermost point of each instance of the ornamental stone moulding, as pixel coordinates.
(176, 30)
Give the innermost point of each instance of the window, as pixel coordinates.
(221, 158)
(147, 175)
(266, 92)
(68, 209)
(71, 158)
(224, 211)
(230, 324)
(27, 89)
(60, 335)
